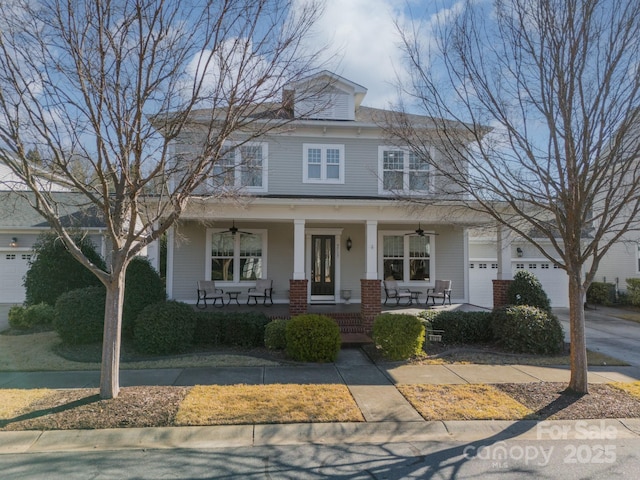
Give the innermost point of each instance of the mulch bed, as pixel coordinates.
(551, 401)
(83, 409)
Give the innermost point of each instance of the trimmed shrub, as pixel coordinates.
(526, 289)
(53, 271)
(244, 329)
(313, 338)
(601, 293)
(241, 329)
(165, 327)
(16, 318)
(633, 291)
(531, 330)
(460, 327)
(39, 314)
(498, 319)
(79, 315)
(275, 334)
(398, 336)
(209, 328)
(143, 286)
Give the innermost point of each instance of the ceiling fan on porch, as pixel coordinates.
(420, 232)
(233, 229)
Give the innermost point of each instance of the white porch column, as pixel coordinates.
(298, 250)
(170, 247)
(504, 253)
(371, 242)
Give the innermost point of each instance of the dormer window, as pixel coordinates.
(325, 96)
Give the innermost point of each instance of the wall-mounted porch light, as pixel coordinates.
(13, 243)
(519, 252)
(349, 243)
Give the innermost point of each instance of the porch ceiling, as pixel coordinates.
(331, 210)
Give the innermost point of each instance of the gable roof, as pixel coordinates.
(327, 78)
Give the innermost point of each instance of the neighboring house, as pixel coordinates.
(319, 211)
(20, 226)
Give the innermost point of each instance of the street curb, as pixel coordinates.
(313, 433)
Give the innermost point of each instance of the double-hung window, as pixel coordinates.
(403, 171)
(242, 167)
(323, 163)
(236, 258)
(407, 258)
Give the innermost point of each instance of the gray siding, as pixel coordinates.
(286, 167)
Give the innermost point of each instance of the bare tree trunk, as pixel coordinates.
(109, 373)
(578, 382)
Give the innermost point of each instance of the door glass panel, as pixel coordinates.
(317, 268)
(328, 261)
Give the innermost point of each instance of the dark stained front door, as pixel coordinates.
(323, 265)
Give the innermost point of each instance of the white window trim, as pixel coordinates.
(405, 176)
(323, 164)
(236, 257)
(406, 259)
(237, 170)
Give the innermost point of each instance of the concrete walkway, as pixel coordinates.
(389, 417)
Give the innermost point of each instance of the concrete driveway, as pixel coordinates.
(607, 334)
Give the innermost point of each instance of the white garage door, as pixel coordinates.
(481, 273)
(13, 266)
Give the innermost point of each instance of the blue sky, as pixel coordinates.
(365, 46)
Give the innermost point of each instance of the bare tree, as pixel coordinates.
(535, 103)
(110, 84)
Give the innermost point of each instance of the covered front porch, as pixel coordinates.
(320, 255)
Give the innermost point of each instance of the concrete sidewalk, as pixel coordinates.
(388, 416)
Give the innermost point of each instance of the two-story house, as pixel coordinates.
(319, 210)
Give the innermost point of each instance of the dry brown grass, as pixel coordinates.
(13, 401)
(632, 388)
(288, 403)
(471, 356)
(463, 402)
(632, 317)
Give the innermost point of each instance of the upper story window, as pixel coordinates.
(407, 258)
(323, 163)
(242, 167)
(402, 171)
(236, 258)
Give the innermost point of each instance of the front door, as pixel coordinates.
(323, 249)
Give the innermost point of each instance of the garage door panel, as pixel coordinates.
(13, 266)
(555, 281)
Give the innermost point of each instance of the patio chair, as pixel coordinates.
(263, 290)
(207, 291)
(442, 289)
(392, 291)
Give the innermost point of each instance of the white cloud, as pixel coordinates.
(363, 44)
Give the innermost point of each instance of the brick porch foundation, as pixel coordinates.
(500, 288)
(297, 297)
(371, 305)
